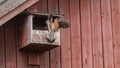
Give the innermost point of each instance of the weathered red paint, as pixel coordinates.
(96, 34)
(92, 41)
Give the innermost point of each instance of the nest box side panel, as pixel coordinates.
(26, 31)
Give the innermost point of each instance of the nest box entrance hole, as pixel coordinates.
(39, 22)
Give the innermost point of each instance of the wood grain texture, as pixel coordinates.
(107, 34)
(16, 11)
(21, 56)
(33, 58)
(40, 6)
(53, 6)
(9, 5)
(96, 34)
(65, 35)
(26, 31)
(54, 53)
(2, 48)
(116, 32)
(75, 34)
(86, 34)
(44, 60)
(10, 46)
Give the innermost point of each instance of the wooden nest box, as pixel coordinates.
(35, 33)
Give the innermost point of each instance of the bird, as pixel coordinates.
(53, 24)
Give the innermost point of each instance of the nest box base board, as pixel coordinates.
(38, 47)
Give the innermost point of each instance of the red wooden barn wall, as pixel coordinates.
(92, 41)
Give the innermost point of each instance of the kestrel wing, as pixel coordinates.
(63, 24)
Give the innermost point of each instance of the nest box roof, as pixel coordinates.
(11, 8)
(44, 14)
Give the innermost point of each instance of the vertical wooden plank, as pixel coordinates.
(10, 45)
(2, 49)
(116, 32)
(75, 34)
(54, 53)
(44, 60)
(86, 34)
(96, 34)
(21, 56)
(65, 35)
(107, 34)
(33, 58)
(41, 6)
(53, 6)
(55, 58)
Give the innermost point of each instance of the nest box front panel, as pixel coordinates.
(40, 36)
